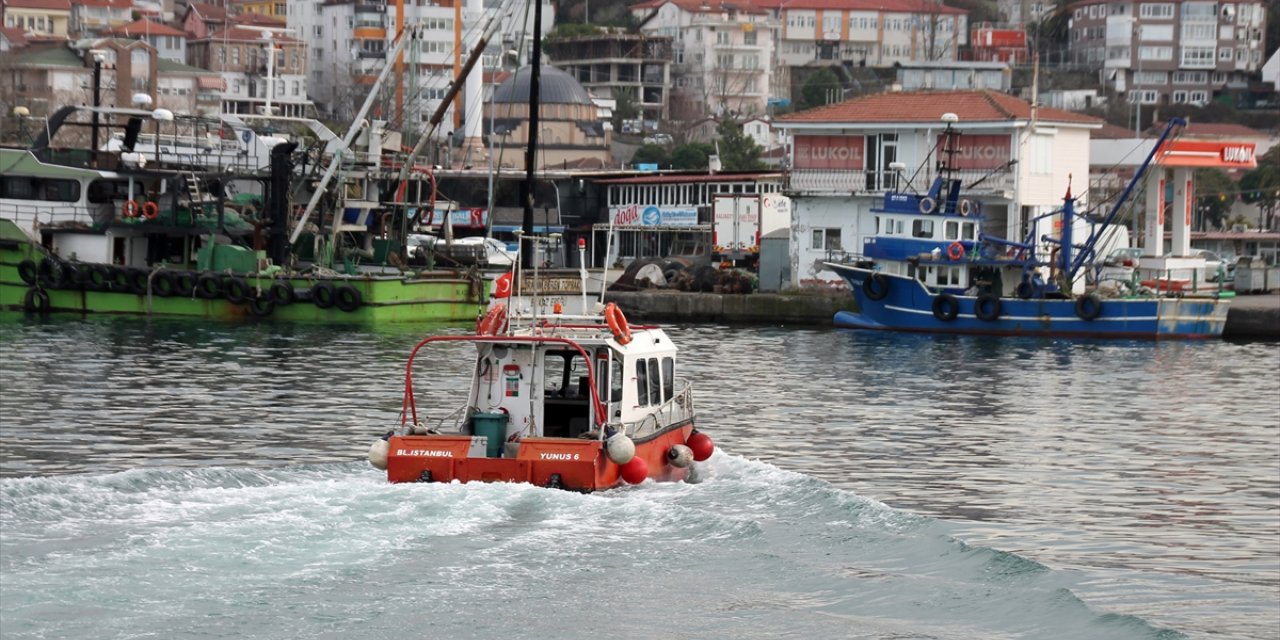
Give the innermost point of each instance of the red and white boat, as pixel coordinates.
(580, 401)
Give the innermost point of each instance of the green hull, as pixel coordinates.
(431, 297)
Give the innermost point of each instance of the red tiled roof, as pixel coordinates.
(147, 27)
(259, 19)
(16, 37)
(1113, 132)
(49, 5)
(208, 11)
(885, 6)
(243, 34)
(928, 106)
(110, 4)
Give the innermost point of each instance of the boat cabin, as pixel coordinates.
(545, 388)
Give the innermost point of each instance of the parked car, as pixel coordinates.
(659, 139)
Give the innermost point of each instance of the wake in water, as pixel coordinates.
(334, 551)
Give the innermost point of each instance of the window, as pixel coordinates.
(952, 230)
(722, 37)
(1190, 77)
(642, 383)
(1225, 54)
(1179, 97)
(749, 37)
(1200, 12)
(668, 378)
(655, 383)
(826, 240)
(1199, 31)
(967, 230)
(1162, 10)
(1197, 57)
(922, 229)
(1151, 77)
(1143, 97)
(1155, 53)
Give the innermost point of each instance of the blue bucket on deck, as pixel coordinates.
(492, 426)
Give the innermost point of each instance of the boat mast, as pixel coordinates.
(530, 153)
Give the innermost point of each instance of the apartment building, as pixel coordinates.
(243, 57)
(872, 34)
(38, 17)
(169, 43)
(95, 17)
(1173, 52)
(616, 64)
(1025, 11)
(723, 54)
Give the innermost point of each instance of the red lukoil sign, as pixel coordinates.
(977, 151)
(829, 152)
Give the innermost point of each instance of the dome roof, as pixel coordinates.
(554, 87)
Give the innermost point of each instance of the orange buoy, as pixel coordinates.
(150, 210)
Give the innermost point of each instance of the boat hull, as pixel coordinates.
(581, 464)
(441, 297)
(909, 306)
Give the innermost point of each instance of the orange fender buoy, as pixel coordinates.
(150, 210)
(955, 250)
(130, 209)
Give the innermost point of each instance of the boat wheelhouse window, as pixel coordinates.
(952, 230)
(108, 190)
(655, 383)
(877, 225)
(966, 231)
(615, 381)
(565, 374)
(668, 378)
(922, 229)
(642, 383)
(61, 190)
(18, 188)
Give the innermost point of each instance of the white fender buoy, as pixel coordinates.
(378, 453)
(679, 456)
(619, 448)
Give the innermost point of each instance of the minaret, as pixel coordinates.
(473, 152)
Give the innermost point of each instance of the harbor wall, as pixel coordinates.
(1250, 317)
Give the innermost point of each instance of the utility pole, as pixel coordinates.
(97, 102)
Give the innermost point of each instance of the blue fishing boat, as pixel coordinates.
(929, 267)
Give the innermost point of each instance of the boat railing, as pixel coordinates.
(677, 409)
(32, 216)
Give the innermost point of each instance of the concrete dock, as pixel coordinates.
(1249, 317)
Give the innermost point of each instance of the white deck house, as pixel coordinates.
(1012, 159)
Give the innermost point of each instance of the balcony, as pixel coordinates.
(832, 182)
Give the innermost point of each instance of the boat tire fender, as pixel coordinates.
(282, 292)
(236, 290)
(928, 205)
(119, 279)
(28, 271)
(36, 301)
(262, 307)
(75, 275)
(347, 298)
(876, 286)
(137, 281)
(987, 307)
(946, 307)
(51, 274)
(955, 250)
(184, 284)
(162, 284)
(617, 323)
(209, 286)
(1024, 290)
(1088, 306)
(97, 277)
(322, 294)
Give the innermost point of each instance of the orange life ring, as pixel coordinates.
(492, 321)
(130, 209)
(955, 250)
(617, 323)
(150, 210)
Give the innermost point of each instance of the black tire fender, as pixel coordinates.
(987, 307)
(347, 298)
(876, 286)
(946, 307)
(1088, 307)
(322, 294)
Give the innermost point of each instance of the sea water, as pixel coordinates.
(186, 480)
